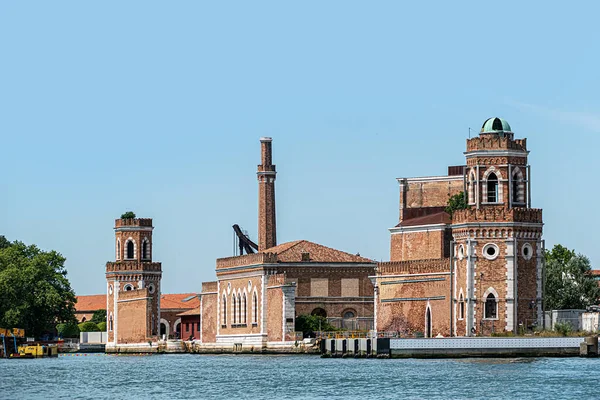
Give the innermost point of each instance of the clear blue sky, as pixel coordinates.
(157, 107)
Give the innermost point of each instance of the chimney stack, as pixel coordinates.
(267, 232)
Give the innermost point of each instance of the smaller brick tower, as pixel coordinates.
(133, 284)
(267, 232)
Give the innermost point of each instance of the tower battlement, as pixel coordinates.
(495, 142)
(141, 222)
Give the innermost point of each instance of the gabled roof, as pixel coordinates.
(90, 303)
(191, 311)
(292, 252)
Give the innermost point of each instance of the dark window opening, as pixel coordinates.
(145, 252)
(319, 312)
(490, 306)
(491, 251)
(461, 308)
(492, 188)
(349, 314)
(515, 190)
(130, 250)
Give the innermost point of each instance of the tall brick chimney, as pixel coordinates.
(267, 231)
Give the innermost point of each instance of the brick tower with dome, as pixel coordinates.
(479, 270)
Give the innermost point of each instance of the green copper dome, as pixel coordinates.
(495, 125)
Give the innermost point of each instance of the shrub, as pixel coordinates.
(68, 330)
(456, 202)
(309, 324)
(127, 215)
(102, 326)
(99, 316)
(564, 328)
(88, 326)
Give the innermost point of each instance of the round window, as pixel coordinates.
(151, 288)
(128, 287)
(461, 252)
(527, 251)
(491, 251)
(110, 289)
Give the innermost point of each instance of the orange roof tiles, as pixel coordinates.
(167, 301)
(91, 303)
(292, 252)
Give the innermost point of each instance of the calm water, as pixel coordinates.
(296, 377)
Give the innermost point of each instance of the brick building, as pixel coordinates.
(256, 297)
(477, 271)
(133, 285)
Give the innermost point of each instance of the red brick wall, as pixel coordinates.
(210, 318)
(417, 245)
(431, 194)
(275, 314)
(133, 326)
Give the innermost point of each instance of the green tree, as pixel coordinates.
(569, 283)
(68, 330)
(35, 293)
(456, 202)
(88, 326)
(99, 316)
(102, 326)
(128, 214)
(308, 324)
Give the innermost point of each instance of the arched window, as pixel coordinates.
(145, 250)
(491, 309)
(518, 187)
(461, 307)
(224, 310)
(118, 250)
(492, 188)
(83, 319)
(428, 331)
(233, 310)
(239, 308)
(244, 309)
(319, 312)
(130, 250)
(110, 323)
(254, 308)
(128, 287)
(471, 188)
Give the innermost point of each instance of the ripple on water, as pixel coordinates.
(294, 377)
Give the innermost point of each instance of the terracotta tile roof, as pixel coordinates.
(192, 312)
(91, 303)
(167, 301)
(595, 271)
(176, 301)
(437, 218)
(292, 252)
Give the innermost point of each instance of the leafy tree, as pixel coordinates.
(68, 330)
(569, 283)
(88, 326)
(102, 326)
(456, 202)
(127, 215)
(4, 243)
(99, 316)
(309, 324)
(35, 293)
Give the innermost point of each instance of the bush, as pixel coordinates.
(88, 326)
(564, 328)
(102, 326)
(99, 316)
(127, 215)
(309, 324)
(69, 330)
